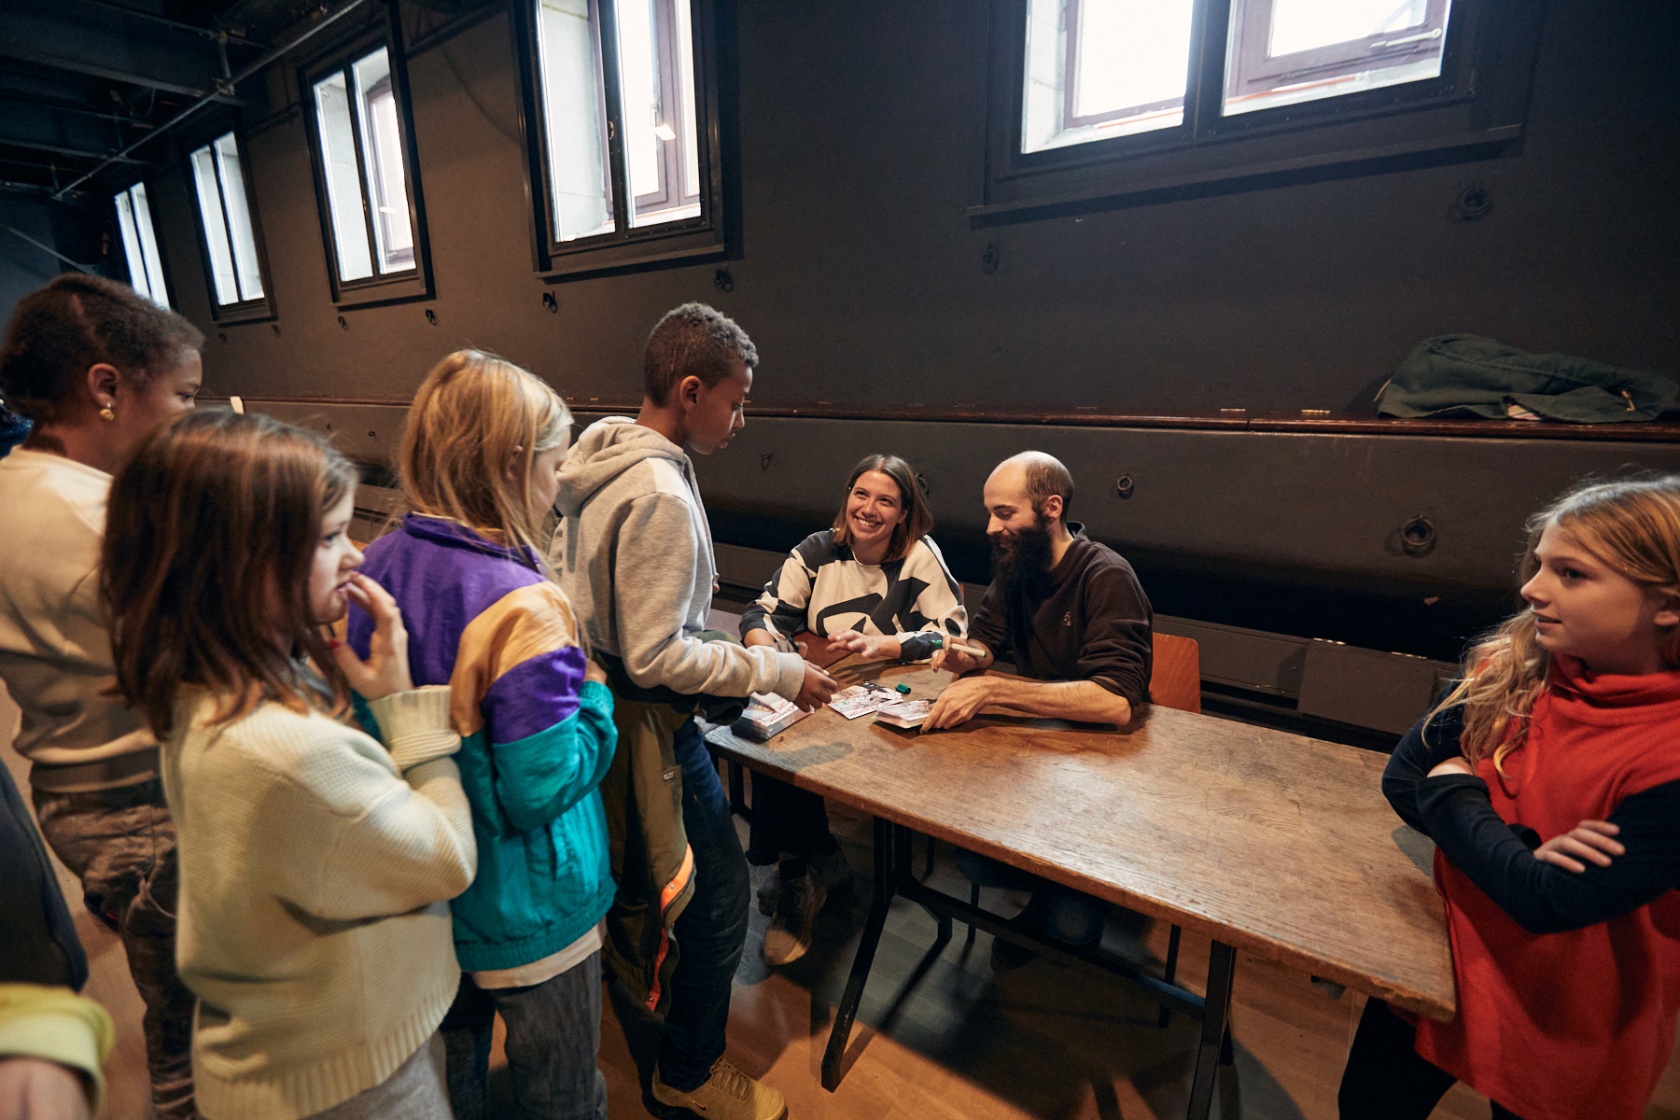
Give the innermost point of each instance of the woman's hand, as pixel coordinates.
(592, 671)
(386, 669)
(874, 647)
(1454, 765)
(1589, 840)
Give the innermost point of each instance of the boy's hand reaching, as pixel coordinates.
(817, 690)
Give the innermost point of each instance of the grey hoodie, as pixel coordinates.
(634, 555)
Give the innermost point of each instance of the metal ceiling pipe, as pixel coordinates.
(192, 29)
(227, 85)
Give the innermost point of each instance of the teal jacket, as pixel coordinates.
(536, 737)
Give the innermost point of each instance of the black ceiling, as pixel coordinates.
(82, 80)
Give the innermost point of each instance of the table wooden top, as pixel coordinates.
(1274, 843)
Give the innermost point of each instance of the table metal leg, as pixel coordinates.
(844, 1015)
(1170, 973)
(1222, 967)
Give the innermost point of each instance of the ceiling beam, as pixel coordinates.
(110, 46)
(45, 129)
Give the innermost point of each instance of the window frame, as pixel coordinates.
(261, 308)
(412, 283)
(628, 247)
(157, 243)
(1331, 61)
(1474, 110)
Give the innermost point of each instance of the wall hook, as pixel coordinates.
(723, 281)
(550, 304)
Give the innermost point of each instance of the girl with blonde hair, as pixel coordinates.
(478, 463)
(1549, 779)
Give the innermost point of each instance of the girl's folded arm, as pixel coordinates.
(1540, 896)
(363, 843)
(1431, 740)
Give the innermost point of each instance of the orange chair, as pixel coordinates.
(1175, 682)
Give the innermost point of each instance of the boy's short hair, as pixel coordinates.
(693, 340)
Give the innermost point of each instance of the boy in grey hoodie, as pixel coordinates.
(634, 554)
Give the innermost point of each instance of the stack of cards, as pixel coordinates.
(904, 713)
(861, 699)
(766, 714)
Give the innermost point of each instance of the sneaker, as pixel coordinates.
(728, 1094)
(789, 935)
(769, 889)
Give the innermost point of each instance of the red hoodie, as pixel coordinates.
(1578, 1024)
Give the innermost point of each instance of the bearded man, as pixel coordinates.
(1071, 616)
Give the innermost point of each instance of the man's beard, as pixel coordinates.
(1027, 556)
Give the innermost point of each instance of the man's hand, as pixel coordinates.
(817, 690)
(386, 669)
(954, 660)
(1589, 840)
(960, 702)
(876, 648)
(36, 1089)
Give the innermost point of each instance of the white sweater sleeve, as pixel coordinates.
(352, 839)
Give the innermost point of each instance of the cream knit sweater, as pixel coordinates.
(315, 873)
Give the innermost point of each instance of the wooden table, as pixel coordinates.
(1273, 843)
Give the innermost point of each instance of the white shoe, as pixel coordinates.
(728, 1094)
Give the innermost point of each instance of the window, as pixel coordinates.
(229, 232)
(1282, 52)
(1111, 102)
(364, 168)
(140, 247)
(624, 161)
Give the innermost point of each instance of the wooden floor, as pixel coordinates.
(1042, 1043)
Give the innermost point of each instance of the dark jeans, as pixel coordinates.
(1386, 1079)
(712, 929)
(121, 844)
(786, 820)
(553, 1036)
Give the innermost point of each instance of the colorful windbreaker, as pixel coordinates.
(537, 737)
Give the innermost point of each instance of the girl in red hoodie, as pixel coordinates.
(1549, 779)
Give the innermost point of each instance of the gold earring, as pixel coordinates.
(106, 413)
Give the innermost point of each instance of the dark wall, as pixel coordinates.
(861, 133)
(24, 267)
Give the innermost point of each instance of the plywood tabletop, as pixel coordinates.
(1274, 843)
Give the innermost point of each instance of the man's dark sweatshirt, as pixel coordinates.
(1087, 619)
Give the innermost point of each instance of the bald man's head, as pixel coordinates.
(1038, 477)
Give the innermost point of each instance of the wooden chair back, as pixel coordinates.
(1176, 680)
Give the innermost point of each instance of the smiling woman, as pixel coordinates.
(878, 585)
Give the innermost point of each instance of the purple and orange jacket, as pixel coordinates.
(536, 737)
